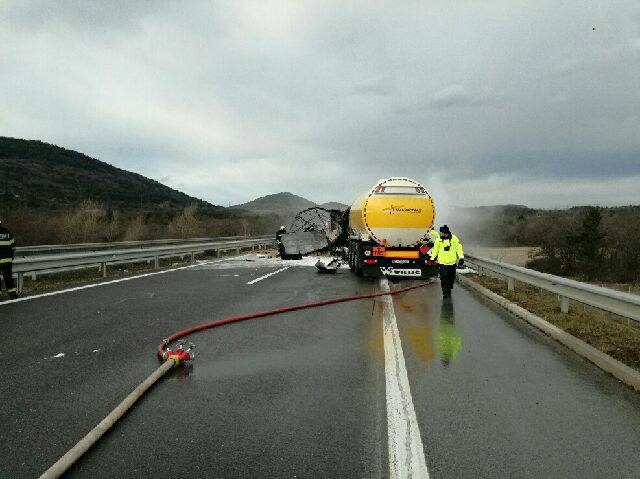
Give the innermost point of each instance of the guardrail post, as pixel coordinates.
(104, 270)
(20, 285)
(564, 304)
(156, 263)
(193, 257)
(511, 284)
(33, 276)
(237, 251)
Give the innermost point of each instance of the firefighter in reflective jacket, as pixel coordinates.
(7, 251)
(447, 251)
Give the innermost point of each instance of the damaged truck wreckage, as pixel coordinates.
(386, 232)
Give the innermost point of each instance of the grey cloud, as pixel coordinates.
(85, 15)
(239, 99)
(455, 96)
(381, 87)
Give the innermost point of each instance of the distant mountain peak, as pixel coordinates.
(285, 202)
(334, 205)
(277, 202)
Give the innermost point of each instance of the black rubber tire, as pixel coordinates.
(358, 259)
(350, 256)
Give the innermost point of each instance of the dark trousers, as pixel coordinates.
(7, 273)
(447, 278)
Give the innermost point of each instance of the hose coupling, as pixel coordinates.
(180, 355)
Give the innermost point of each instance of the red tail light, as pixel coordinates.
(370, 261)
(424, 249)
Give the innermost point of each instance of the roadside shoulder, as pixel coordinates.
(606, 362)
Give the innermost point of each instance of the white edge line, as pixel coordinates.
(406, 451)
(253, 281)
(104, 283)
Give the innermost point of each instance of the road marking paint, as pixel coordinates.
(406, 452)
(267, 275)
(95, 285)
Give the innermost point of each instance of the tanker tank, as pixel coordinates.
(390, 230)
(395, 212)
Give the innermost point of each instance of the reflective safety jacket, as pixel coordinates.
(7, 245)
(447, 251)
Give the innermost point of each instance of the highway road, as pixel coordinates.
(402, 387)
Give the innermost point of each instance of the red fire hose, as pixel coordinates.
(162, 354)
(172, 358)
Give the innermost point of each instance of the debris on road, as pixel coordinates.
(328, 268)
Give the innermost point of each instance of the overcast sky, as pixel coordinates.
(485, 102)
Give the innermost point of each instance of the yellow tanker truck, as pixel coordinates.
(390, 231)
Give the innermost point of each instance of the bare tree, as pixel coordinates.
(186, 224)
(136, 230)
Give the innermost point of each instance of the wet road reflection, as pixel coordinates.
(429, 326)
(495, 388)
(449, 340)
(183, 372)
(418, 326)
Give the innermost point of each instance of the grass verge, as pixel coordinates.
(614, 335)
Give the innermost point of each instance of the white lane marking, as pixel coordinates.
(406, 452)
(95, 285)
(267, 275)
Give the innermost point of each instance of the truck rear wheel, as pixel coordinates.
(350, 256)
(359, 257)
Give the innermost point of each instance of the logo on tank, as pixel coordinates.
(397, 209)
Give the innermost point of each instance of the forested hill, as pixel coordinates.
(38, 175)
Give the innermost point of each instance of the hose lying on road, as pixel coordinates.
(220, 322)
(176, 357)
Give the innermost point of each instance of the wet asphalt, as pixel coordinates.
(300, 394)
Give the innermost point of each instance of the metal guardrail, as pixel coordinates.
(46, 263)
(623, 304)
(26, 250)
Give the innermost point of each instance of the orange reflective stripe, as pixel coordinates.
(401, 254)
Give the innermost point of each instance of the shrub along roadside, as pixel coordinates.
(93, 222)
(593, 248)
(612, 334)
